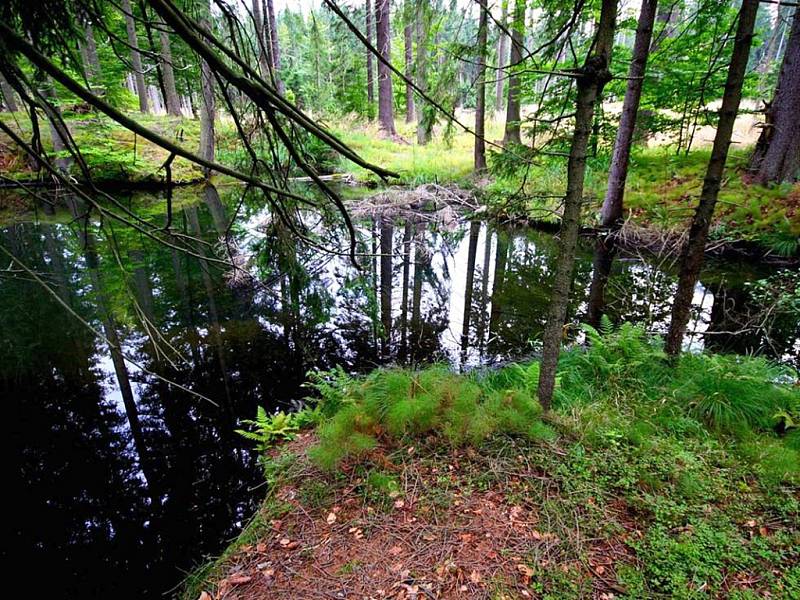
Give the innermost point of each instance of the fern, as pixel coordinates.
(268, 429)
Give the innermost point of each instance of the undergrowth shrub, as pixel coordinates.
(394, 404)
(732, 394)
(615, 364)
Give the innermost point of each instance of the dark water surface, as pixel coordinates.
(120, 482)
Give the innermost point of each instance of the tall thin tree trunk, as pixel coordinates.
(480, 91)
(513, 115)
(408, 43)
(370, 68)
(9, 101)
(776, 157)
(694, 250)
(502, 60)
(275, 47)
(170, 92)
(90, 48)
(208, 106)
(611, 214)
(592, 78)
(421, 20)
(384, 39)
(262, 50)
(136, 57)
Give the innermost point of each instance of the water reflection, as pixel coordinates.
(119, 479)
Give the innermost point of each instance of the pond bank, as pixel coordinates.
(629, 494)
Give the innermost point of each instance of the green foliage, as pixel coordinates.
(395, 404)
(268, 429)
(731, 393)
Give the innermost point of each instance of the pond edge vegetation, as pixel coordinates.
(665, 437)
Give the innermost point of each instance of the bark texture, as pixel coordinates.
(171, 98)
(370, 68)
(263, 43)
(593, 76)
(776, 157)
(384, 40)
(136, 57)
(92, 62)
(694, 250)
(513, 116)
(480, 90)
(275, 48)
(9, 101)
(611, 214)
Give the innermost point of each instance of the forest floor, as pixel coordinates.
(661, 190)
(620, 492)
(513, 520)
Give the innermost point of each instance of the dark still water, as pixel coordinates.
(119, 482)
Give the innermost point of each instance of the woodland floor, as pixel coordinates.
(504, 522)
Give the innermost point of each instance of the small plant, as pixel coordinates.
(267, 429)
(730, 394)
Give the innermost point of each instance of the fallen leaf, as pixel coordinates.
(475, 577)
(399, 503)
(600, 569)
(239, 579)
(205, 596)
(331, 518)
(285, 542)
(525, 570)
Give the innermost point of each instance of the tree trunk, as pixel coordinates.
(590, 82)
(384, 39)
(370, 68)
(170, 92)
(421, 19)
(480, 91)
(136, 57)
(611, 214)
(502, 61)
(90, 48)
(777, 154)
(263, 52)
(693, 252)
(513, 117)
(275, 48)
(9, 101)
(408, 41)
(208, 109)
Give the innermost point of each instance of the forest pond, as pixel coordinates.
(121, 482)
